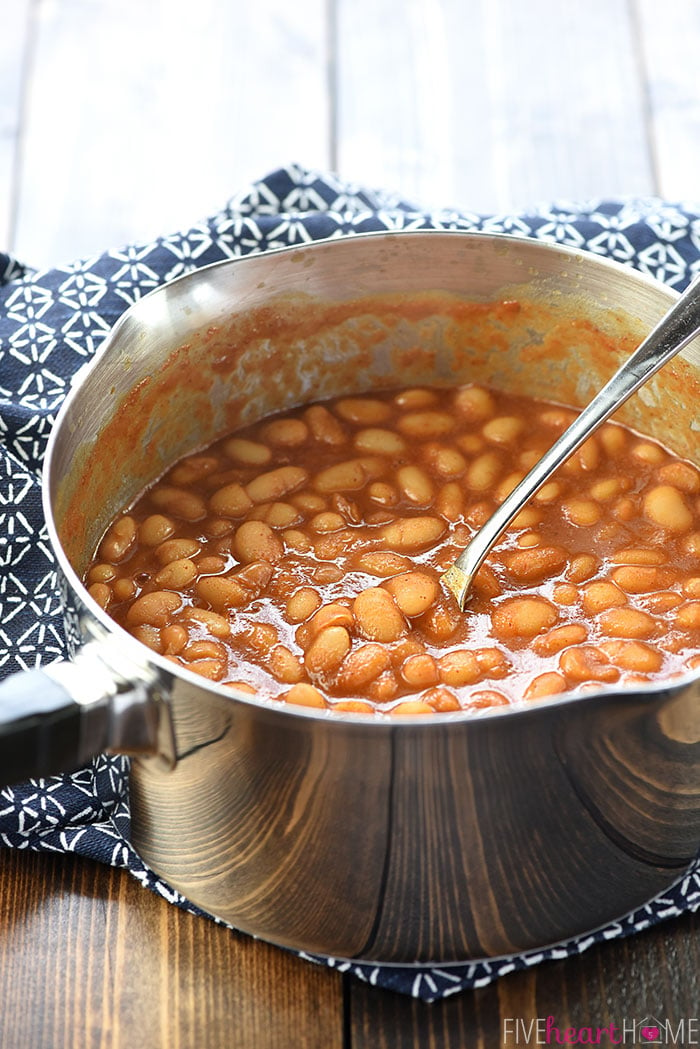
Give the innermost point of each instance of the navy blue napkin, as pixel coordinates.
(53, 321)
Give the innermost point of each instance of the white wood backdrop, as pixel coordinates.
(121, 119)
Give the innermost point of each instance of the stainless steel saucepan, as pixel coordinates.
(436, 839)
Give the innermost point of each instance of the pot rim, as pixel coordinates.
(141, 653)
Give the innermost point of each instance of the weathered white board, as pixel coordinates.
(492, 104)
(143, 117)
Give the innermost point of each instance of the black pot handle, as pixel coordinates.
(56, 719)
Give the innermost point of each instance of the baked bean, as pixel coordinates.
(363, 665)
(287, 433)
(101, 573)
(581, 567)
(302, 604)
(484, 472)
(613, 439)
(324, 427)
(587, 663)
(354, 706)
(691, 545)
(485, 698)
(503, 429)
(493, 662)
(173, 639)
(210, 622)
(548, 492)
(268, 544)
(230, 501)
(424, 426)
(247, 453)
(415, 485)
(521, 617)
(347, 476)
(303, 695)
(606, 489)
(179, 502)
(377, 615)
(450, 501)
(119, 539)
(154, 609)
(420, 671)
(485, 583)
(508, 484)
(441, 700)
(327, 522)
(101, 593)
(148, 635)
(413, 533)
(599, 596)
(383, 563)
(582, 512)
(458, 668)
(413, 592)
(627, 622)
(155, 530)
(296, 540)
(666, 507)
(648, 453)
(410, 707)
(682, 476)
(633, 655)
(123, 589)
(276, 515)
(270, 486)
(176, 575)
(409, 400)
(688, 616)
(205, 649)
(222, 592)
(383, 494)
(327, 651)
(364, 411)
(333, 614)
(193, 469)
(559, 638)
(641, 579)
(285, 666)
(662, 602)
(211, 565)
(536, 564)
(564, 594)
(548, 684)
(639, 556)
(255, 541)
(474, 403)
(379, 442)
(448, 462)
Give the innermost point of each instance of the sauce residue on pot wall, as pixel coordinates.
(295, 349)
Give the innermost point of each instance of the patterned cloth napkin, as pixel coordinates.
(52, 321)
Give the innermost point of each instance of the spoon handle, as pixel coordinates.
(673, 332)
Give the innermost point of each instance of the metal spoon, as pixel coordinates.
(674, 331)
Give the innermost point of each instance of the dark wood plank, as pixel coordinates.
(91, 960)
(490, 106)
(14, 37)
(142, 118)
(655, 973)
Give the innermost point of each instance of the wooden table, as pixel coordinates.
(91, 960)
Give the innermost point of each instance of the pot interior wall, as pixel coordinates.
(231, 344)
